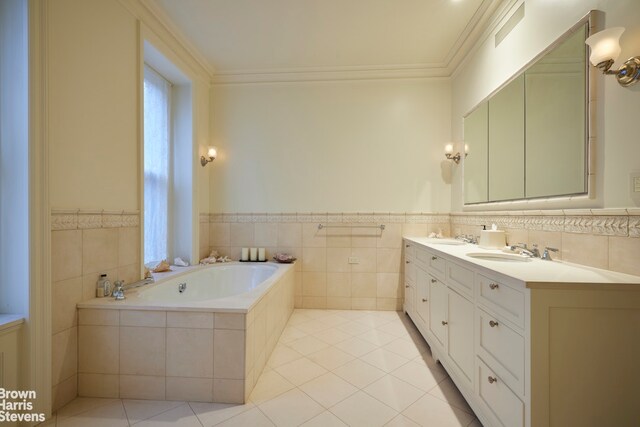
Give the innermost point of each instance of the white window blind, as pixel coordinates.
(157, 91)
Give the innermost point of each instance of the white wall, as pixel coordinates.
(618, 150)
(336, 146)
(14, 153)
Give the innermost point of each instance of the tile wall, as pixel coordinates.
(602, 238)
(83, 245)
(325, 278)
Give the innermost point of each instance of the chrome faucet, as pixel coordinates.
(546, 255)
(531, 253)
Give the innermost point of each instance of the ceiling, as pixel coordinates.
(246, 39)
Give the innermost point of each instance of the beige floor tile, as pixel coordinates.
(298, 317)
(211, 414)
(308, 345)
(312, 326)
(282, 354)
(354, 328)
(300, 371)
(269, 385)
(332, 336)
(291, 333)
(325, 419)
(330, 358)
(447, 391)
(328, 389)
(402, 421)
(421, 375)
(406, 347)
(82, 404)
(377, 337)
(110, 415)
(356, 347)
(384, 359)
(359, 373)
(140, 410)
(396, 328)
(363, 410)
(431, 411)
(333, 320)
(375, 321)
(181, 416)
(251, 418)
(394, 392)
(291, 408)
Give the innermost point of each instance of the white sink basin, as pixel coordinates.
(435, 241)
(498, 257)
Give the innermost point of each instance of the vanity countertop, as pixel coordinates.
(537, 273)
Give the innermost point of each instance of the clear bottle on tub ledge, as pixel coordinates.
(103, 287)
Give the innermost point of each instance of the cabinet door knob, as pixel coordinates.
(433, 258)
(493, 324)
(493, 285)
(492, 379)
(406, 286)
(406, 246)
(433, 280)
(424, 300)
(408, 262)
(444, 323)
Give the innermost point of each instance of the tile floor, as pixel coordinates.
(330, 368)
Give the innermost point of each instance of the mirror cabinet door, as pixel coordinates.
(506, 142)
(555, 115)
(476, 137)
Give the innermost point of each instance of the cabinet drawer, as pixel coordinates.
(460, 278)
(409, 250)
(506, 301)
(499, 401)
(433, 262)
(503, 345)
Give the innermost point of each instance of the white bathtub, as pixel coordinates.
(220, 287)
(209, 343)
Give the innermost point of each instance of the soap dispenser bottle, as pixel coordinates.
(103, 287)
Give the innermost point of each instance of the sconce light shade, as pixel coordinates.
(605, 45)
(212, 153)
(605, 49)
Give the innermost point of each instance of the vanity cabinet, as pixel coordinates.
(528, 353)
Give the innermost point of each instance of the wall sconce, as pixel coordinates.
(211, 154)
(605, 49)
(448, 153)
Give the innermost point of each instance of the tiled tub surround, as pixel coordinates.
(324, 276)
(601, 238)
(203, 354)
(83, 245)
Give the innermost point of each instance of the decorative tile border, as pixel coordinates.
(335, 217)
(603, 222)
(83, 220)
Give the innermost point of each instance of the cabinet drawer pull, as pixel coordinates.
(444, 323)
(424, 300)
(433, 258)
(408, 262)
(493, 324)
(493, 286)
(406, 246)
(492, 379)
(406, 286)
(433, 280)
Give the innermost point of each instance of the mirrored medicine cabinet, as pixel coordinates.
(529, 139)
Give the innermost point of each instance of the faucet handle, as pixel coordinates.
(546, 255)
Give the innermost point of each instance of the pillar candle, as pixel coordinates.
(253, 254)
(261, 255)
(245, 254)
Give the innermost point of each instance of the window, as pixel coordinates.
(157, 165)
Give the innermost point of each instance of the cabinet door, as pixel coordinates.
(422, 296)
(460, 333)
(409, 299)
(438, 312)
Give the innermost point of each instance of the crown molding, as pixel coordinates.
(151, 14)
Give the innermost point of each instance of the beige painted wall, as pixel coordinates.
(617, 150)
(337, 146)
(94, 85)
